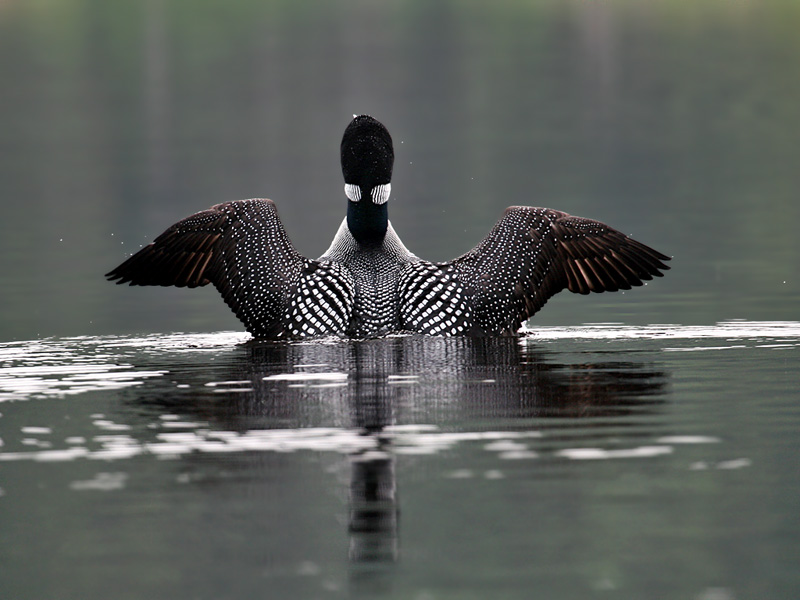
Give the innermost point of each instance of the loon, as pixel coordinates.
(367, 283)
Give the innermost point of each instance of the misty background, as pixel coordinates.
(674, 121)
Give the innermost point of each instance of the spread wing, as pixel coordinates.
(533, 253)
(240, 247)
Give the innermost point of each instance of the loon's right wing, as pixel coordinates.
(240, 247)
(533, 253)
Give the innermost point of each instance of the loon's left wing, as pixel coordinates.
(240, 247)
(533, 253)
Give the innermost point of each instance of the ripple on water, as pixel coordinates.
(58, 367)
(755, 331)
(63, 367)
(104, 482)
(178, 437)
(69, 366)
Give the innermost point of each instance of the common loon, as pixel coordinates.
(367, 283)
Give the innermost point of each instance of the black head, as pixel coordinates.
(367, 160)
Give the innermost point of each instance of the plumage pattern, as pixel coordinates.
(432, 301)
(375, 272)
(321, 302)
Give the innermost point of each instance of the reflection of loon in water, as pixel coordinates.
(374, 511)
(443, 382)
(440, 378)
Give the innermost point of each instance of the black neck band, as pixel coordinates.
(367, 221)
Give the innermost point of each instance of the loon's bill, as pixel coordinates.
(367, 283)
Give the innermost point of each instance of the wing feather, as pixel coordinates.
(532, 254)
(240, 247)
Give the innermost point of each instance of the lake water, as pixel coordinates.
(625, 459)
(595, 461)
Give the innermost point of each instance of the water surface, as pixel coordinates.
(595, 461)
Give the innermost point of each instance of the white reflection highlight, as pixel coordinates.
(333, 376)
(728, 330)
(103, 482)
(601, 454)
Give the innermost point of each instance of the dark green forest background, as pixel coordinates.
(675, 121)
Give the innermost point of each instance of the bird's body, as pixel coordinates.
(367, 283)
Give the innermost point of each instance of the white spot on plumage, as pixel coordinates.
(380, 193)
(353, 192)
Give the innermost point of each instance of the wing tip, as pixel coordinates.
(115, 276)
